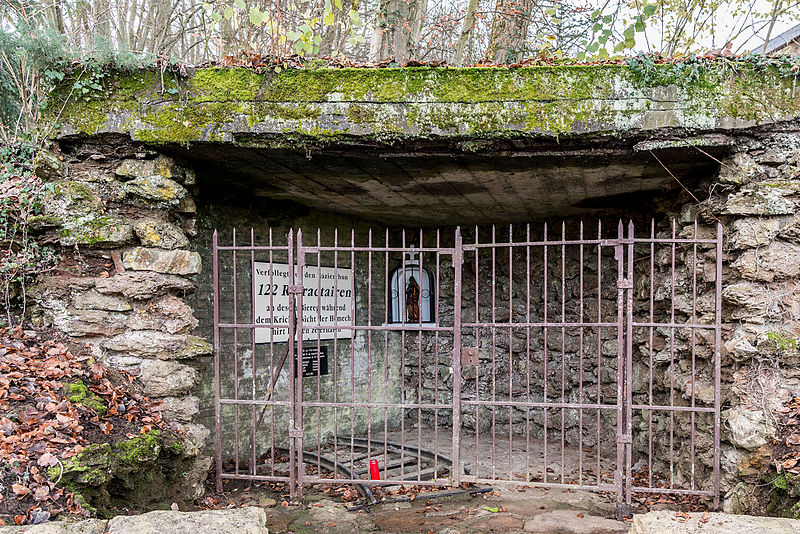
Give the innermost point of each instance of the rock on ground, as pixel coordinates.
(89, 526)
(711, 523)
(562, 521)
(234, 521)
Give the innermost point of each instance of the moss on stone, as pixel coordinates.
(386, 104)
(78, 393)
(137, 473)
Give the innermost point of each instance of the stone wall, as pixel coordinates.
(123, 217)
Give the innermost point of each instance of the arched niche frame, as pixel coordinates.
(402, 283)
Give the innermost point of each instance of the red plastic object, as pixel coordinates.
(374, 472)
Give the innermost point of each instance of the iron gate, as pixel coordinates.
(540, 358)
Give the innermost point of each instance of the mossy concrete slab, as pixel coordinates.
(297, 107)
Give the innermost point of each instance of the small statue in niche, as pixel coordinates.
(412, 300)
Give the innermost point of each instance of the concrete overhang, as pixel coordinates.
(439, 145)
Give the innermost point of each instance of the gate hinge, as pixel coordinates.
(625, 283)
(295, 289)
(624, 438)
(296, 433)
(469, 355)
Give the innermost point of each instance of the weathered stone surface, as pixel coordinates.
(181, 409)
(89, 526)
(753, 232)
(748, 296)
(157, 345)
(740, 348)
(195, 477)
(142, 168)
(48, 166)
(778, 261)
(738, 169)
(142, 285)
(180, 262)
(765, 199)
(72, 199)
(236, 521)
(93, 300)
(93, 323)
(569, 521)
(168, 314)
(96, 231)
(160, 234)
(165, 378)
(196, 434)
(749, 429)
(156, 191)
(665, 521)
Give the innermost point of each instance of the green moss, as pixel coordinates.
(139, 450)
(138, 473)
(421, 102)
(78, 393)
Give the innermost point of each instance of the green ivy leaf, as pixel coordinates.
(355, 18)
(256, 16)
(329, 19)
(602, 39)
(228, 12)
(550, 11)
(239, 4)
(607, 19)
(649, 10)
(338, 4)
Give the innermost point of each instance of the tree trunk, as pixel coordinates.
(397, 23)
(509, 31)
(466, 30)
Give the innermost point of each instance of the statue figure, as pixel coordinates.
(412, 301)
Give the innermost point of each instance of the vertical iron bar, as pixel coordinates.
(717, 360)
(544, 357)
(253, 352)
(563, 343)
(458, 254)
(620, 473)
(235, 360)
(217, 388)
(296, 376)
(650, 351)
(629, 369)
(290, 341)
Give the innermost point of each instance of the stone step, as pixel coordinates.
(235, 521)
(711, 523)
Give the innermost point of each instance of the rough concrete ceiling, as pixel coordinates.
(437, 189)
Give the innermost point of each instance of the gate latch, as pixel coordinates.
(469, 355)
(296, 433)
(624, 438)
(625, 283)
(295, 289)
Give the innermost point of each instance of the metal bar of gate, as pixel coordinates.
(296, 296)
(619, 473)
(458, 255)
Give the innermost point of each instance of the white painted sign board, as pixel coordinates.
(327, 301)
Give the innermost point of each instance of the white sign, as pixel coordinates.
(327, 301)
